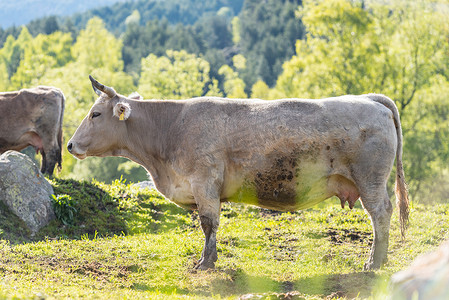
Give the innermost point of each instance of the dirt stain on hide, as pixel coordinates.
(291, 178)
(284, 184)
(275, 187)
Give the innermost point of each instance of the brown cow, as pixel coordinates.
(283, 154)
(33, 117)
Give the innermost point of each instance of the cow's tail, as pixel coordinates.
(401, 190)
(60, 135)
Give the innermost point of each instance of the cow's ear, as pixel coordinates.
(122, 111)
(135, 96)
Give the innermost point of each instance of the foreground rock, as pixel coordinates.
(25, 191)
(426, 278)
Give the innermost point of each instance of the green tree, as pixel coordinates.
(235, 30)
(4, 80)
(415, 49)
(394, 49)
(234, 87)
(177, 75)
(215, 30)
(239, 62)
(12, 54)
(156, 38)
(426, 132)
(260, 90)
(92, 41)
(42, 54)
(268, 32)
(133, 18)
(336, 56)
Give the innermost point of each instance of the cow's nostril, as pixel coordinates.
(69, 147)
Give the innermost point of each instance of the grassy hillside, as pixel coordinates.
(126, 243)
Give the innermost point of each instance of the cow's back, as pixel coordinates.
(27, 109)
(260, 125)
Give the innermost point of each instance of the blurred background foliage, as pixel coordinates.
(247, 48)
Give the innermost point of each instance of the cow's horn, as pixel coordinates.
(105, 89)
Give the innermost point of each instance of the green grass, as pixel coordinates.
(127, 243)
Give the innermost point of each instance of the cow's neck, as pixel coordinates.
(149, 127)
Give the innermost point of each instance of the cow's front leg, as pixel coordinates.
(208, 203)
(209, 255)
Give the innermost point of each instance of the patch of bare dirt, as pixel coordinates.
(101, 271)
(341, 236)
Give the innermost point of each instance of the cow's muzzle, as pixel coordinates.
(75, 151)
(70, 147)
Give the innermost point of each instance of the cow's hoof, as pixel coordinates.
(204, 265)
(369, 266)
(374, 264)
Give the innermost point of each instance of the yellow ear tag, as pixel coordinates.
(122, 116)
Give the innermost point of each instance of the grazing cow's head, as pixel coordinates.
(102, 130)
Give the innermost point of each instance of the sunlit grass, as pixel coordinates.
(150, 247)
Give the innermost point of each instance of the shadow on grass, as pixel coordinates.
(101, 211)
(11, 227)
(97, 212)
(357, 284)
(167, 289)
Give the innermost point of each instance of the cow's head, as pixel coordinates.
(102, 131)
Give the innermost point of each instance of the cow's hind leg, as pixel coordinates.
(208, 203)
(378, 205)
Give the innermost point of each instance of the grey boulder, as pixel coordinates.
(25, 191)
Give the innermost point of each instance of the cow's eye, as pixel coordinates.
(95, 114)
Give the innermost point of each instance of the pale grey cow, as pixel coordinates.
(285, 154)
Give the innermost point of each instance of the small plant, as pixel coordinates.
(64, 208)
